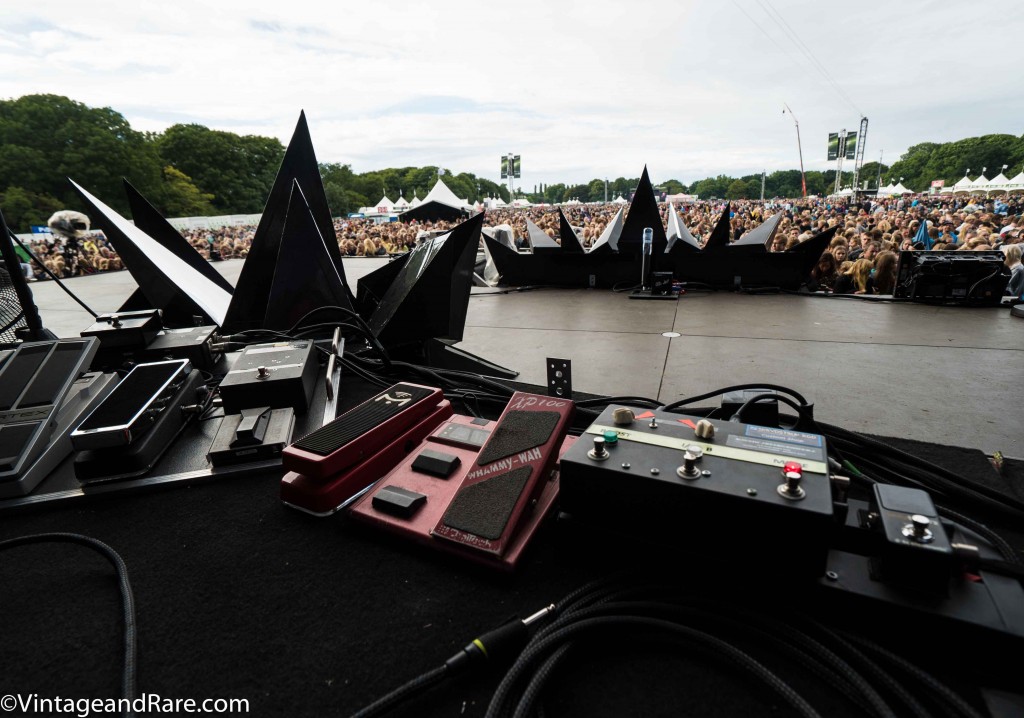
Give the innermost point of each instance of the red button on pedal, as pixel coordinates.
(793, 467)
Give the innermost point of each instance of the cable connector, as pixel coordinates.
(227, 346)
(498, 645)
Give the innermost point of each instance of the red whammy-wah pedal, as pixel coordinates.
(330, 465)
(475, 487)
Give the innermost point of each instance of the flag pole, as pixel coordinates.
(799, 147)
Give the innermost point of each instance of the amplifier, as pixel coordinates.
(976, 278)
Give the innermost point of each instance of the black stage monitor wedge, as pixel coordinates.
(305, 278)
(252, 292)
(277, 375)
(952, 277)
(430, 296)
(34, 381)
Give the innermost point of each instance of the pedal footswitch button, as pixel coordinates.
(397, 501)
(436, 463)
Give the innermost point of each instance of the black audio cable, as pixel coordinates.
(129, 689)
(495, 646)
(674, 406)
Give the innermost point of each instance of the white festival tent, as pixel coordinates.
(997, 185)
(980, 185)
(443, 195)
(962, 185)
(383, 206)
(1016, 184)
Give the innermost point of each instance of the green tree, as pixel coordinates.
(672, 186)
(869, 174)
(737, 189)
(46, 138)
(181, 198)
(23, 208)
(712, 187)
(239, 171)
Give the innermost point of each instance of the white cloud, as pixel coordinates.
(579, 89)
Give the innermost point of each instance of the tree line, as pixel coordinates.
(189, 169)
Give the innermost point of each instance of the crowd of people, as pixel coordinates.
(861, 258)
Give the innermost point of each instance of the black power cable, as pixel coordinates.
(129, 689)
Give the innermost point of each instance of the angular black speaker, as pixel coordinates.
(760, 237)
(150, 221)
(643, 212)
(570, 242)
(252, 293)
(719, 237)
(678, 232)
(305, 279)
(429, 296)
(168, 282)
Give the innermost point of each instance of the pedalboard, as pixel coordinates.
(258, 434)
(277, 375)
(757, 495)
(130, 430)
(477, 488)
(329, 466)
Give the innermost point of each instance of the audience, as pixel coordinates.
(860, 259)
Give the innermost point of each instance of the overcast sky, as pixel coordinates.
(581, 89)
